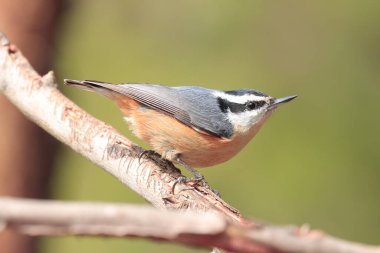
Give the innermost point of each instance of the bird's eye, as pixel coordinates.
(252, 105)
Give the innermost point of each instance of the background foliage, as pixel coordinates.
(317, 159)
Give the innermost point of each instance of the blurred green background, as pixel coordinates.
(317, 159)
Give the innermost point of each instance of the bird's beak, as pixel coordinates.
(278, 101)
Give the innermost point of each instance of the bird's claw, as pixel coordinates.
(197, 181)
(148, 153)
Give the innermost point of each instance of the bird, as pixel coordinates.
(193, 126)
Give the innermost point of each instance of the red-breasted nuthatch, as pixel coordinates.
(194, 126)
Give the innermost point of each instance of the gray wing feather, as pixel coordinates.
(194, 106)
(158, 97)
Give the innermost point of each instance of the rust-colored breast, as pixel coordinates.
(169, 137)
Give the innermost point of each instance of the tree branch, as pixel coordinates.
(48, 218)
(38, 98)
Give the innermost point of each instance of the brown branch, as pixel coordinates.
(48, 218)
(38, 98)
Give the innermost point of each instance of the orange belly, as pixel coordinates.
(171, 138)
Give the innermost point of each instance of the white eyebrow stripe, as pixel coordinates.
(239, 99)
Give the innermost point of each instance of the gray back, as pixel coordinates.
(192, 105)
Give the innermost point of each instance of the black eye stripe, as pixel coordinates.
(251, 105)
(226, 105)
(222, 104)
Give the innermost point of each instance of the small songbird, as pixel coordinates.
(193, 126)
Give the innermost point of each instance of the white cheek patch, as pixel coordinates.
(239, 99)
(243, 121)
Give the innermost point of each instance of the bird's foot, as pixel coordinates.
(149, 154)
(156, 157)
(198, 179)
(194, 182)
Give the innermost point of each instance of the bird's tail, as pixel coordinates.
(107, 89)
